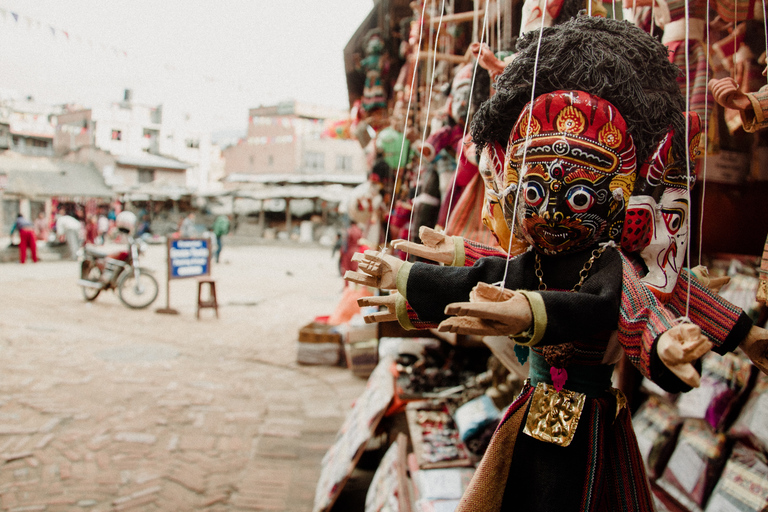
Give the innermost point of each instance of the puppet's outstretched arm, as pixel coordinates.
(435, 246)
(379, 270)
(491, 311)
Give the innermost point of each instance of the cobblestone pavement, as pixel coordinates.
(107, 408)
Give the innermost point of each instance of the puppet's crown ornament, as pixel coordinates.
(576, 165)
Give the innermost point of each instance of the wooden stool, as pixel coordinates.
(210, 302)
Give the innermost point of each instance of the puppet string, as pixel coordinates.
(688, 150)
(405, 126)
(521, 170)
(469, 109)
(705, 130)
(426, 119)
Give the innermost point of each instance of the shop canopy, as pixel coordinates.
(49, 177)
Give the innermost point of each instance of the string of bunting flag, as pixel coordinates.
(22, 21)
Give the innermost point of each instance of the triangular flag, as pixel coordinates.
(15, 16)
(66, 34)
(53, 30)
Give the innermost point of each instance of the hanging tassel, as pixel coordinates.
(559, 376)
(522, 353)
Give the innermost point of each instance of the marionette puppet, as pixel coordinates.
(374, 66)
(753, 106)
(576, 154)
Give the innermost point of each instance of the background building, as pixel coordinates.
(291, 138)
(138, 148)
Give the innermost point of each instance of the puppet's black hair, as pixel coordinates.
(614, 60)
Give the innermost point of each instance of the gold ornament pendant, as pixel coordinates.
(554, 415)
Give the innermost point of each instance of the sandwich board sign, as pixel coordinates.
(187, 257)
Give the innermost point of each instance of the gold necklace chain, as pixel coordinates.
(583, 273)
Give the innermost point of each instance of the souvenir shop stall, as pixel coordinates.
(563, 304)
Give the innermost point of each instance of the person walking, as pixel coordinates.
(103, 227)
(68, 227)
(220, 228)
(26, 231)
(187, 228)
(91, 230)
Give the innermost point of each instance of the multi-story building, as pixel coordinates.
(288, 138)
(137, 146)
(29, 126)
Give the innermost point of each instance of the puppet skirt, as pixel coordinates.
(601, 470)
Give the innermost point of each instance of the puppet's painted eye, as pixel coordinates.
(533, 193)
(580, 199)
(673, 218)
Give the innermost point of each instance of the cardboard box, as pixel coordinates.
(316, 332)
(328, 354)
(362, 356)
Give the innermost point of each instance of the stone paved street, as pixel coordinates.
(107, 408)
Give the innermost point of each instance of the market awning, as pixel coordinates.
(149, 161)
(330, 193)
(296, 179)
(49, 177)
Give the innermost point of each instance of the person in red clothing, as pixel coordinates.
(27, 235)
(91, 230)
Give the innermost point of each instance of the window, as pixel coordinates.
(271, 160)
(39, 143)
(146, 175)
(343, 162)
(117, 135)
(314, 160)
(192, 143)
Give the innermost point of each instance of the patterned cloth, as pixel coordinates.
(698, 92)
(697, 54)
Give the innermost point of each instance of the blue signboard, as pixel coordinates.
(189, 257)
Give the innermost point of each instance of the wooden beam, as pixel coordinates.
(456, 59)
(457, 18)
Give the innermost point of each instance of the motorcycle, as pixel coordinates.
(100, 271)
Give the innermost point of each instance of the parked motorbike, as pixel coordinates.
(136, 286)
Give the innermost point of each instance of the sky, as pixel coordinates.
(212, 58)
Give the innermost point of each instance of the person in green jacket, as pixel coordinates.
(220, 228)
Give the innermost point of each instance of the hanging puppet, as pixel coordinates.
(752, 106)
(574, 156)
(375, 66)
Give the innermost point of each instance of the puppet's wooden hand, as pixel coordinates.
(388, 301)
(486, 59)
(713, 283)
(435, 246)
(679, 347)
(756, 347)
(726, 93)
(378, 270)
(490, 312)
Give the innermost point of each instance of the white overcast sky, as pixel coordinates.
(214, 58)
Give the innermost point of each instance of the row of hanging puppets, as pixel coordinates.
(580, 165)
(417, 105)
